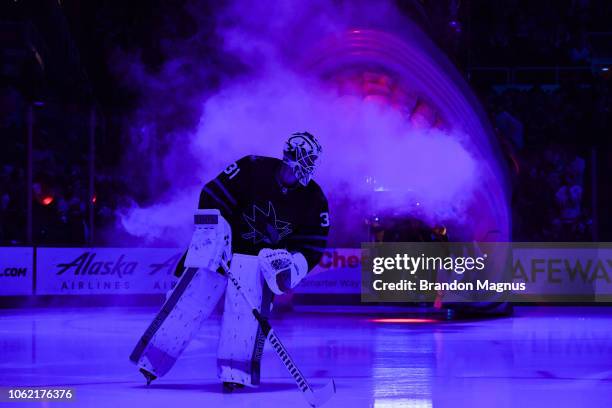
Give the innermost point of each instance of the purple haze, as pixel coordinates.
(367, 145)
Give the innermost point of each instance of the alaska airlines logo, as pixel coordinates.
(168, 265)
(86, 264)
(265, 226)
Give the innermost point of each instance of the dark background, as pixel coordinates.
(540, 68)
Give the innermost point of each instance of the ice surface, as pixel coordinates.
(559, 357)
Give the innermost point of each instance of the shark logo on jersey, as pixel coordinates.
(265, 226)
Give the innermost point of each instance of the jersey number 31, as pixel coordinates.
(232, 170)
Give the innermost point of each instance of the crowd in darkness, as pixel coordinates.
(60, 178)
(519, 32)
(548, 130)
(550, 134)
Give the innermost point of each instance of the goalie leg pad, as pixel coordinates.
(193, 298)
(242, 341)
(189, 304)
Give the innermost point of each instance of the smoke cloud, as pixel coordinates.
(367, 146)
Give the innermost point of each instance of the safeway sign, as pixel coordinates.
(16, 271)
(77, 271)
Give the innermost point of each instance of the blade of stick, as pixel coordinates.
(322, 395)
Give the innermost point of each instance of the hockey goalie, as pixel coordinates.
(263, 221)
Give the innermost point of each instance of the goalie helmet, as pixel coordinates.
(301, 153)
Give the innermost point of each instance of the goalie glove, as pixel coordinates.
(281, 269)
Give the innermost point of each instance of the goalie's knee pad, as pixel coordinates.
(211, 242)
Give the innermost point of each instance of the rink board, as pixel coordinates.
(117, 271)
(83, 271)
(338, 273)
(16, 271)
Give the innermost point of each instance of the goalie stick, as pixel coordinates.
(314, 398)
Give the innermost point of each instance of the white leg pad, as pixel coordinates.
(241, 342)
(189, 304)
(192, 300)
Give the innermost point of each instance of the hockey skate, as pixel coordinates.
(230, 387)
(148, 376)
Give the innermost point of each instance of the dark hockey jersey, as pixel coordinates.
(264, 214)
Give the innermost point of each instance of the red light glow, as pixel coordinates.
(404, 320)
(47, 200)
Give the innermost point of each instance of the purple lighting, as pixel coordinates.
(426, 82)
(398, 125)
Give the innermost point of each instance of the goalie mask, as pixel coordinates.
(301, 153)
